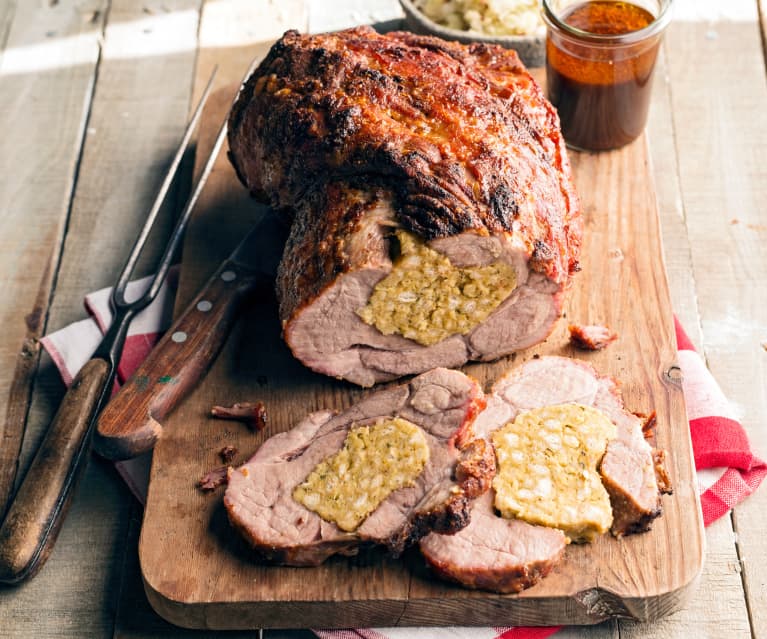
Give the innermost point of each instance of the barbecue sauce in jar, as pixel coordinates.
(599, 71)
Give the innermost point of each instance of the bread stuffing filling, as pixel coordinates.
(425, 298)
(375, 461)
(548, 461)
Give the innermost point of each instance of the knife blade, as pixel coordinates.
(131, 423)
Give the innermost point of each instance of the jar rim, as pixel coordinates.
(658, 24)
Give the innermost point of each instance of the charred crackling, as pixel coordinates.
(661, 472)
(591, 338)
(213, 479)
(227, 453)
(459, 134)
(253, 414)
(476, 469)
(649, 426)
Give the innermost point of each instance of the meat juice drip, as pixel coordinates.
(602, 90)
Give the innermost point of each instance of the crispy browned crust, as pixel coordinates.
(446, 518)
(629, 517)
(591, 338)
(497, 580)
(296, 555)
(458, 137)
(476, 468)
(661, 472)
(317, 249)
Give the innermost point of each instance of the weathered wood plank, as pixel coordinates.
(721, 138)
(46, 81)
(350, 13)
(676, 243)
(762, 8)
(231, 34)
(720, 595)
(7, 11)
(12, 429)
(138, 112)
(46, 77)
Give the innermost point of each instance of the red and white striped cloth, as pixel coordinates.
(728, 471)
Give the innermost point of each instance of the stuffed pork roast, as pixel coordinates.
(433, 215)
(398, 464)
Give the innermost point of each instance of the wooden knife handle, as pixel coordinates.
(33, 521)
(131, 423)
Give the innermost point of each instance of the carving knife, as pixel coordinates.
(132, 421)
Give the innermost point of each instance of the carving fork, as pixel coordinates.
(34, 517)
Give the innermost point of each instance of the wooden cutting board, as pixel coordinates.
(197, 572)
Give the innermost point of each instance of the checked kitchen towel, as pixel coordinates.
(728, 472)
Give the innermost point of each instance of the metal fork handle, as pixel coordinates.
(33, 521)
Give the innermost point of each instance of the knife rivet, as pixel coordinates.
(228, 276)
(204, 306)
(179, 336)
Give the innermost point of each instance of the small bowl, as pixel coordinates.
(531, 48)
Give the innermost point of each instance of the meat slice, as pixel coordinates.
(354, 134)
(492, 553)
(593, 337)
(506, 555)
(442, 403)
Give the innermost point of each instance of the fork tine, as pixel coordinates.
(176, 237)
(118, 292)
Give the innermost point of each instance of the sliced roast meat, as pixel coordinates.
(441, 403)
(507, 555)
(354, 134)
(628, 466)
(493, 553)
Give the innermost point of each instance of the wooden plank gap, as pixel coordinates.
(128, 559)
(36, 321)
(743, 576)
(22, 386)
(723, 184)
(761, 6)
(668, 89)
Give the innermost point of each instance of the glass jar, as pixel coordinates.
(600, 57)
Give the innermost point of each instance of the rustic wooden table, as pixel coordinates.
(94, 95)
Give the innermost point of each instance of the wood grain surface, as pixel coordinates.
(199, 574)
(94, 139)
(44, 89)
(56, 83)
(131, 423)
